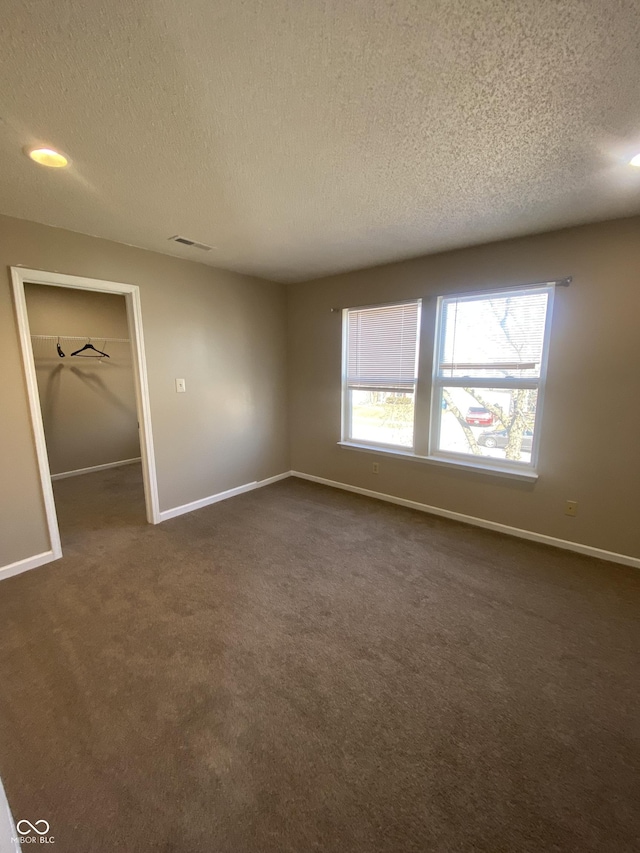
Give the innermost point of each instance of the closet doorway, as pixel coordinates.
(87, 390)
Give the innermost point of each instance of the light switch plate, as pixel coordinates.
(181, 386)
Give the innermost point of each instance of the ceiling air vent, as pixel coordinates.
(187, 242)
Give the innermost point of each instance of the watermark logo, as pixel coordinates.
(30, 827)
(34, 833)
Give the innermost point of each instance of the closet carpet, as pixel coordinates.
(302, 669)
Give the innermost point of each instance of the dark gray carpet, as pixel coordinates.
(302, 669)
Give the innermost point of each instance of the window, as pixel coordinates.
(487, 385)
(489, 371)
(380, 369)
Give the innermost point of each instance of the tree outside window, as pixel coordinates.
(489, 373)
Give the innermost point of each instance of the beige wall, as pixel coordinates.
(88, 405)
(590, 446)
(224, 333)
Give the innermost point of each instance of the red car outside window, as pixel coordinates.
(479, 416)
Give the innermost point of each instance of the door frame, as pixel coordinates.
(131, 292)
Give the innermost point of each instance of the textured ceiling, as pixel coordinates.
(306, 137)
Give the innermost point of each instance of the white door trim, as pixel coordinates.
(21, 276)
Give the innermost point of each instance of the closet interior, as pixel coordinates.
(83, 359)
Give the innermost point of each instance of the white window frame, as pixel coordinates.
(347, 390)
(439, 382)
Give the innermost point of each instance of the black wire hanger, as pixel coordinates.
(59, 348)
(99, 353)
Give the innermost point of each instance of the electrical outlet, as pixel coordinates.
(181, 386)
(571, 508)
(376, 468)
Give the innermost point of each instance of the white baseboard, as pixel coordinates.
(80, 471)
(221, 496)
(48, 556)
(29, 563)
(566, 544)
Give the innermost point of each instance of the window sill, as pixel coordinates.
(496, 471)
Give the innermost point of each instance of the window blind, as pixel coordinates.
(382, 347)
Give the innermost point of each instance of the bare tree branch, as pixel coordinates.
(455, 411)
(516, 426)
(502, 321)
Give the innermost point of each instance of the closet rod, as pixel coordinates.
(81, 338)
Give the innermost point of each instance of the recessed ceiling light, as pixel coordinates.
(635, 161)
(48, 157)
